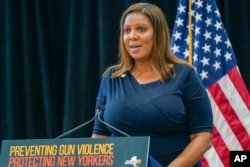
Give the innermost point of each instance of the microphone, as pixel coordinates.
(99, 109)
(112, 127)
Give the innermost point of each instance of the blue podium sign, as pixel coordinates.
(76, 152)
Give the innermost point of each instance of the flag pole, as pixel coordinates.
(190, 35)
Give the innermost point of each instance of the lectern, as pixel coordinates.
(76, 152)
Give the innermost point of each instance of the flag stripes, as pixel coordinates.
(219, 153)
(230, 116)
(228, 136)
(234, 75)
(212, 155)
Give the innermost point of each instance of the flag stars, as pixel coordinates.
(182, 9)
(192, 26)
(191, 12)
(217, 13)
(212, 52)
(186, 53)
(203, 74)
(195, 57)
(197, 30)
(204, 61)
(227, 42)
(228, 56)
(209, 8)
(208, 21)
(206, 48)
(218, 25)
(217, 52)
(199, 4)
(198, 17)
(187, 40)
(179, 22)
(196, 44)
(216, 65)
(207, 35)
(175, 49)
(177, 35)
(217, 38)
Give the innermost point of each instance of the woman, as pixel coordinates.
(150, 92)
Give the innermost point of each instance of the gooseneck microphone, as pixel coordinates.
(99, 109)
(112, 127)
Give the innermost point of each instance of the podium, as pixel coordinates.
(76, 152)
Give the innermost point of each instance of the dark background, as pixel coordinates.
(52, 54)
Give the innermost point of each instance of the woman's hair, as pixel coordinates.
(162, 56)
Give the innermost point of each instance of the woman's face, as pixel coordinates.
(138, 36)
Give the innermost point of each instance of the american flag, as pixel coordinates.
(215, 63)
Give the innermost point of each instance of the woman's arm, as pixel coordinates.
(98, 136)
(199, 144)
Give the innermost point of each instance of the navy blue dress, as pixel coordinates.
(167, 111)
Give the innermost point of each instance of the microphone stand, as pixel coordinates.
(99, 110)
